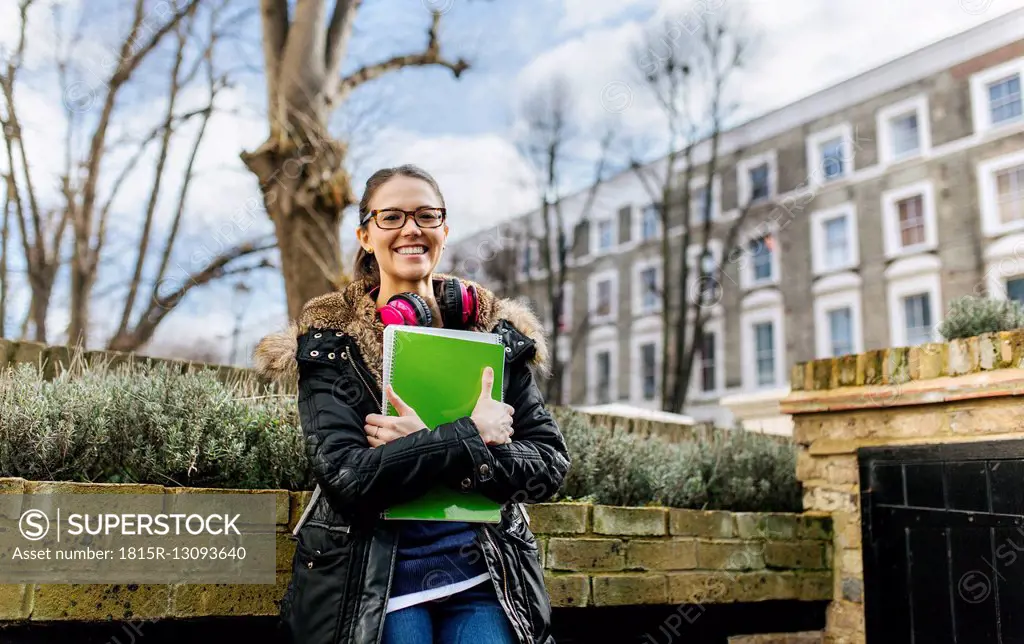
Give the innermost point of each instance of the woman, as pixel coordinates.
(357, 578)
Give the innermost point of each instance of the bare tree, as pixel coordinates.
(688, 75)
(88, 194)
(301, 167)
(551, 141)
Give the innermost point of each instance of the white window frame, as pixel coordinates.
(743, 184)
(716, 325)
(815, 162)
(716, 198)
(991, 226)
(597, 343)
(918, 277)
(818, 241)
(638, 301)
(1004, 260)
(883, 121)
(891, 219)
(767, 308)
(746, 260)
(638, 228)
(692, 255)
(595, 235)
(823, 330)
(567, 306)
(599, 276)
(650, 334)
(980, 109)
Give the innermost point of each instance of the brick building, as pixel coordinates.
(883, 199)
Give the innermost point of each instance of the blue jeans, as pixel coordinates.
(473, 616)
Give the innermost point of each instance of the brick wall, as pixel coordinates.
(957, 391)
(593, 556)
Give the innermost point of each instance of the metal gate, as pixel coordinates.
(943, 532)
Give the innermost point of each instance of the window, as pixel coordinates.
(764, 347)
(604, 298)
(756, 177)
(527, 259)
(759, 182)
(996, 95)
(650, 222)
(914, 299)
(917, 316)
(909, 219)
(830, 154)
(604, 377)
(1004, 99)
(649, 289)
(1001, 189)
(602, 293)
(762, 340)
(699, 205)
(837, 316)
(834, 239)
(605, 235)
(837, 244)
(707, 362)
(648, 370)
(906, 136)
(761, 257)
(840, 325)
(1010, 193)
(1015, 289)
(904, 130)
(832, 158)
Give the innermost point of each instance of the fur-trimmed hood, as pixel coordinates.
(353, 312)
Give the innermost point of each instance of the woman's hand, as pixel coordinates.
(382, 429)
(493, 419)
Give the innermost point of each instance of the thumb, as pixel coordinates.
(487, 382)
(397, 402)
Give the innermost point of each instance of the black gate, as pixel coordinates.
(943, 532)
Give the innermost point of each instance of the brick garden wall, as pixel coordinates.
(593, 556)
(962, 390)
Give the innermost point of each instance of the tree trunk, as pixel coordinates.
(305, 192)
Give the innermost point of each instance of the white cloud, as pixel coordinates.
(579, 14)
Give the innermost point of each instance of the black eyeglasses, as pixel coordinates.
(395, 218)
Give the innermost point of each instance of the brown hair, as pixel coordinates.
(366, 267)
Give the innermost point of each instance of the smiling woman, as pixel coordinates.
(355, 576)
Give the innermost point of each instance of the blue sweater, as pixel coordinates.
(434, 554)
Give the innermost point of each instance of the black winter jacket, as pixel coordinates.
(345, 555)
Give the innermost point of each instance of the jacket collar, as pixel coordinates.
(354, 312)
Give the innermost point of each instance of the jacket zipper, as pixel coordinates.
(504, 584)
(387, 591)
(347, 354)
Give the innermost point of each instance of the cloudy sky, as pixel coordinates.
(460, 130)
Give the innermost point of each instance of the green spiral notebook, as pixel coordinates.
(438, 373)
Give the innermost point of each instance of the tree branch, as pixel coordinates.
(430, 56)
(275, 34)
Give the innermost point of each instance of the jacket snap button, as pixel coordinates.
(508, 349)
(309, 565)
(331, 356)
(466, 484)
(314, 353)
(520, 343)
(343, 356)
(337, 334)
(484, 470)
(317, 335)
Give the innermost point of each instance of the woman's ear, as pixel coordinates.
(364, 239)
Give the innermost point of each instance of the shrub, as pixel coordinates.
(153, 425)
(970, 316)
(724, 469)
(147, 426)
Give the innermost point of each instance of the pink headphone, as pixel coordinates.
(458, 303)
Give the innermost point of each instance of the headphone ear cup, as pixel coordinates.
(451, 306)
(408, 309)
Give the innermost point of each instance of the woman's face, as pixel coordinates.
(409, 253)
